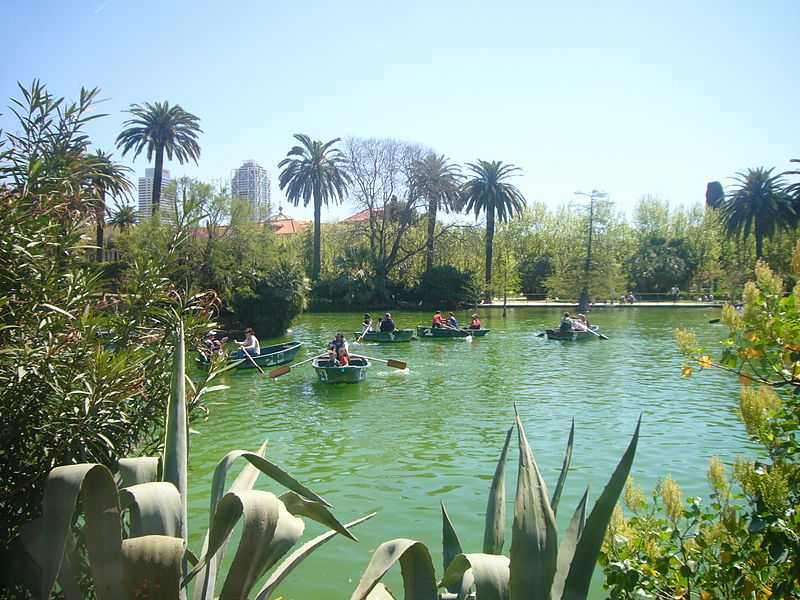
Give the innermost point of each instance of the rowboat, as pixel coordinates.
(355, 372)
(398, 335)
(270, 356)
(571, 336)
(423, 331)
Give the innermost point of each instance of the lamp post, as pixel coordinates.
(583, 301)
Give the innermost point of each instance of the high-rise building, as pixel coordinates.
(251, 181)
(167, 206)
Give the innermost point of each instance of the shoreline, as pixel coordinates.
(543, 304)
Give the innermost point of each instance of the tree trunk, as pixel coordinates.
(100, 217)
(489, 242)
(759, 243)
(315, 260)
(432, 206)
(159, 167)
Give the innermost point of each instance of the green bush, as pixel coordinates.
(343, 293)
(270, 300)
(533, 271)
(448, 287)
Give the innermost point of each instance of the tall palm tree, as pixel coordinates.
(487, 190)
(123, 217)
(105, 176)
(758, 204)
(318, 171)
(161, 128)
(438, 182)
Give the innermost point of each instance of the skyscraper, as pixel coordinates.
(251, 181)
(167, 205)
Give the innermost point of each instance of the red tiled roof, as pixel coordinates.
(362, 215)
(287, 226)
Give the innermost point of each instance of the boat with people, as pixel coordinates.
(330, 371)
(269, 356)
(427, 331)
(573, 335)
(398, 335)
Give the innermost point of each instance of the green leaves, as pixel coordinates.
(419, 580)
(494, 532)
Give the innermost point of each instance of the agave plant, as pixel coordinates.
(148, 498)
(538, 566)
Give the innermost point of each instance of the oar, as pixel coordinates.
(593, 332)
(284, 369)
(363, 333)
(397, 364)
(255, 364)
(714, 321)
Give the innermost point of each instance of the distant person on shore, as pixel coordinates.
(387, 323)
(438, 320)
(475, 323)
(250, 343)
(452, 321)
(675, 292)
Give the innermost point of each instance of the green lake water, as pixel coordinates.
(403, 441)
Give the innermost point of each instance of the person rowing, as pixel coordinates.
(452, 322)
(387, 323)
(580, 323)
(566, 323)
(366, 324)
(438, 320)
(250, 345)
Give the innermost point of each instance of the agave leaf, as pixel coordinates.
(176, 435)
(277, 474)
(155, 509)
(152, 567)
(380, 592)
(143, 469)
(296, 557)
(451, 546)
(489, 573)
(467, 585)
(564, 469)
(534, 538)
(262, 544)
(494, 532)
(297, 505)
(419, 579)
(582, 566)
(204, 590)
(46, 538)
(567, 548)
(68, 575)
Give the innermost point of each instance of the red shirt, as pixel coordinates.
(437, 320)
(344, 359)
(475, 324)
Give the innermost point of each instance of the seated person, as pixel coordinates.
(387, 323)
(580, 323)
(366, 324)
(335, 347)
(566, 324)
(438, 320)
(344, 357)
(250, 343)
(452, 321)
(475, 323)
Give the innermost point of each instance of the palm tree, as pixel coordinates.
(123, 217)
(438, 182)
(757, 204)
(105, 176)
(161, 128)
(314, 170)
(488, 191)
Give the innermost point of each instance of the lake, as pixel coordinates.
(403, 441)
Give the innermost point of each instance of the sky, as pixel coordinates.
(633, 98)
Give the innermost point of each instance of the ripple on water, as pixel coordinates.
(402, 441)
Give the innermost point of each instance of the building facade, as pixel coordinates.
(251, 181)
(167, 206)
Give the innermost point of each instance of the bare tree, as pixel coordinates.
(383, 184)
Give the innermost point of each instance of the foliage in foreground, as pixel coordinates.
(135, 526)
(745, 541)
(538, 566)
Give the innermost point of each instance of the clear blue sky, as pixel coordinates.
(635, 97)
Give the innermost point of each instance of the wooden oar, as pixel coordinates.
(284, 369)
(397, 364)
(593, 332)
(363, 333)
(255, 364)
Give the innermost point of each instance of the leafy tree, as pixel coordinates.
(487, 190)
(660, 264)
(161, 128)
(124, 217)
(270, 299)
(447, 287)
(438, 182)
(759, 205)
(534, 271)
(318, 171)
(107, 177)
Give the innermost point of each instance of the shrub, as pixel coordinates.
(448, 287)
(270, 300)
(343, 293)
(533, 271)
